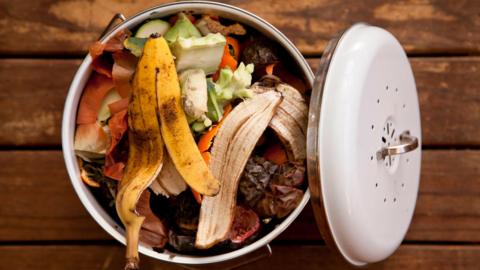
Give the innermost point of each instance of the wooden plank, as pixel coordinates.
(68, 27)
(32, 94)
(449, 98)
(449, 93)
(38, 202)
(304, 257)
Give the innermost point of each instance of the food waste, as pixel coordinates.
(191, 134)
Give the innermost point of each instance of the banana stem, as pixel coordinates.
(132, 264)
(132, 259)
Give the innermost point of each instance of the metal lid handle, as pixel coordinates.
(407, 143)
(111, 24)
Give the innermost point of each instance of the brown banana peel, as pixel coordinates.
(176, 132)
(231, 149)
(145, 148)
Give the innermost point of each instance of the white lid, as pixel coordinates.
(364, 100)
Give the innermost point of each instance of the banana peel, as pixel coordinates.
(145, 148)
(176, 132)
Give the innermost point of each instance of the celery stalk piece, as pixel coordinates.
(214, 110)
(234, 84)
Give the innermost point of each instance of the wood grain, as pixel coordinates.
(32, 94)
(290, 257)
(449, 93)
(57, 27)
(43, 225)
(38, 202)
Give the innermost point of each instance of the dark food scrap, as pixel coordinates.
(255, 179)
(260, 52)
(185, 214)
(278, 201)
(290, 174)
(153, 231)
(181, 243)
(271, 190)
(245, 224)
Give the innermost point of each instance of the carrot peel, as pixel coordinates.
(206, 140)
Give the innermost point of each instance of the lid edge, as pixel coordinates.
(313, 157)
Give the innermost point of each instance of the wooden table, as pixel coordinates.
(44, 226)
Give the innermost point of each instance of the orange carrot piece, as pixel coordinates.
(269, 69)
(227, 109)
(276, 154)
(228, 60)
(235, 46)
(206, 140)
(206, 157)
